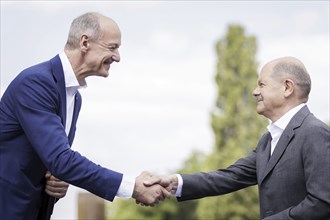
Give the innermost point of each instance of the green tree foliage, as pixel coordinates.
(235, 123)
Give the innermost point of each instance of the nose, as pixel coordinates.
(256, 92)
(116, 56)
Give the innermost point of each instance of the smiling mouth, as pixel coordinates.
(107, 62)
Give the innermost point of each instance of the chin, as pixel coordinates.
(104, 74)
(259, 111)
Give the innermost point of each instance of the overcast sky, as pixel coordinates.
(154, 108)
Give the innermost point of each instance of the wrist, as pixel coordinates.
(174, 183)
(126, 187)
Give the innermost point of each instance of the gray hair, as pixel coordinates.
(87, 24)
(297, 72)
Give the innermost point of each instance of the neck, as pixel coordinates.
(284, 111)
(77, 64)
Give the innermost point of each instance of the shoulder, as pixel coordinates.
(34, 77)
(317, 131)
(39, 71)
(305, 120)
(33, 83)
(44, 71)
(314, 125)
(313, 135)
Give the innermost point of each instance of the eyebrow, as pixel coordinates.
(113, 44)
(261, 81)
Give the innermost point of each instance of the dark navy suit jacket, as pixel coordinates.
(33, 140)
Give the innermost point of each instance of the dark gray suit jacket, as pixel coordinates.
(294, 183)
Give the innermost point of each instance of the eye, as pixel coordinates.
(261, 84)
(113, 47)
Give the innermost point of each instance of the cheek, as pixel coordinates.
(273, 100)
(93, 60)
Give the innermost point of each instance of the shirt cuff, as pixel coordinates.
(126, 187)
(180, 184)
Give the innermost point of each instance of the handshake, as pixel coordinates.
(150, 189)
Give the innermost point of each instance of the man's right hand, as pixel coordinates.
(149, 195)
(170, 182)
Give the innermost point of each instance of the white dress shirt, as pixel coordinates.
(276, 129)
(72, 85)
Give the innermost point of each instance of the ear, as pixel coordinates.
(289, 86)
(84, 43)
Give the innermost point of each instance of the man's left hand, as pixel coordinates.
(55, 187)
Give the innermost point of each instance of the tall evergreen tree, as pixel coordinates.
(235, 123)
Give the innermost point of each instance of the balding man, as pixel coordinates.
(291, 163)
(38, 115)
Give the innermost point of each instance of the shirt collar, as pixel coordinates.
(285, 119)
(69, 75)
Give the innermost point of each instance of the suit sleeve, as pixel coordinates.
(237, 176)
(37, 102)
(316, 161)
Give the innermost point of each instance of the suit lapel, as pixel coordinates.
(282, 144)
(58, 74)
(263, 155)
(284, 140)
